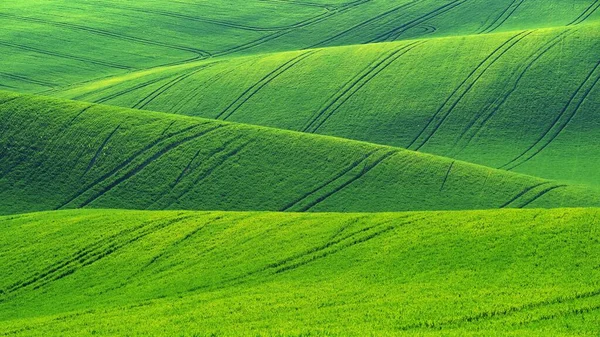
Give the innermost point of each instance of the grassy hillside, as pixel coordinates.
(57, 154)
(526, 101)
(54, 43)
(476, 273)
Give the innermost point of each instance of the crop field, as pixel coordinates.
(300, 168)
(228, 273)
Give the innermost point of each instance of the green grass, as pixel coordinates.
(474, 273)
(50, 44)
(64, 154)
(523, 101)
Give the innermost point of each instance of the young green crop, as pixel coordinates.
(59, 154)
(467, 273)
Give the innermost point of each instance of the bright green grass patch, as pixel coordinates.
(526, 101)
(59, 154)
(492, 273)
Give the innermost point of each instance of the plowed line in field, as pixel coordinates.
(27, 80)
(366, 170)
(523, 192)
(65, 56)
(105, 33)
(507, 13)
(463, 88)
(127, 162)
(91, 254)
(219, 162)
(255, 88)
(131, 173)
(367, 22)
(127, 91)
(163, 88)
(447, 175)
(541, 194)
(560, 122)
(100, 149)
(281, 33)
(396, 32)
(493, 108)
(498, 313)
(330, 181)
(356, 84)
(586, 14)
(188, 170)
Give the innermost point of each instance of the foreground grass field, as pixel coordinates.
(58, 154)
(480, 273)
(526, 101)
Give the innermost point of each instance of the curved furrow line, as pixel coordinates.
(463, 88)
(163, 88)
(126, 91)
(500, 19)
(364, 171)
(228, 155)
(106, 33)
(328, 182)
(27, 80)
(539, 195)
(522, 193)
(396, 32)
(126, 162)
(334, 245)
(367, 22)
(100, 149)
(191, 168)
(281, 33)
(560, 122)
(65, 56)
(135, 170)
(447, 175)
(93, 253)
(493, 108)
(498, 313)
(256, 87)
(356, 84)
(586, 14)
(302, 3)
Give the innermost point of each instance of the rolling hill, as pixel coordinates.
(58, 154)
(526, 101)
(135, 273)
(299, 168)
(49, 44)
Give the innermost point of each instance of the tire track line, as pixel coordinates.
(27, 80)
(396, 32)
(356, 84)
(560, 122)
(330, 181)
(100, 149)
(442, 113)
(101, 32)
(126, 162)
(134, 171)
(208, 172)
(65, 56)
(362, 173)
(500, 19)
(141, 104)
(522, 193)
(586, 14)
(367, 22)
(255, 88)
(447, 175)
(493, 108)
(540, 194)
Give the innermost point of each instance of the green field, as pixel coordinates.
(479, 273)
(299, 168)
